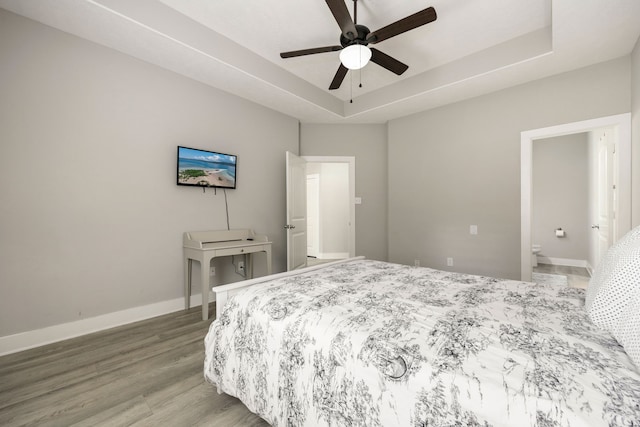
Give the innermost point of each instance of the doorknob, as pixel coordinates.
(595, 226)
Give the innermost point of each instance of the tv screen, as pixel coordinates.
(201, 168)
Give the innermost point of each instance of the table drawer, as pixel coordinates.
(240, 251)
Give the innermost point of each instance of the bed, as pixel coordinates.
(370, 343)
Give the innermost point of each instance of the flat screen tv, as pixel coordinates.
(201, 168)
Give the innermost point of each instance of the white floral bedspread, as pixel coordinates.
(368, 343)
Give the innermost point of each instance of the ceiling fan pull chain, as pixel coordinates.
(351, 87)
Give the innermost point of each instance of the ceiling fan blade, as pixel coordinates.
(405, 24)
(341, 14)
(385, 61)
(303, 52)
(339, 77)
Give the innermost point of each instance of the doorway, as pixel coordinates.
(621, 127)
(330, 207)
(296, 218)
(569, 179)
(327, 211)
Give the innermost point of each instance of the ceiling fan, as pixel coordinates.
(354, 40)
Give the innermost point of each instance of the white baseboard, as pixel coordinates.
(333, 255)
(563, 261)
(39, 337)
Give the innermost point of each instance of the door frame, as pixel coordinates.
(351, 162)
(622, 170)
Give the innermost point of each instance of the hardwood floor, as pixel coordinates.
(577, 277)
(147, 373)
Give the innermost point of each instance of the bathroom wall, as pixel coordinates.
(560, 198)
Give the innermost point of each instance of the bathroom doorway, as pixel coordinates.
(620, 130)
(565, 177)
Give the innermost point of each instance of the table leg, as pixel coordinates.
(249, 266)
(187, 282)
(204, 285)
(268, 252)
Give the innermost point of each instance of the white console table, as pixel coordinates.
(203, 246)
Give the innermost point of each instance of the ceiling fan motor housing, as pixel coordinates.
(361, 38)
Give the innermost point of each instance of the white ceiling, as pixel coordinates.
(474, 47)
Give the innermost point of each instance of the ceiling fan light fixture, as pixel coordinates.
(355, 56)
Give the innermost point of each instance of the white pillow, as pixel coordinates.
(614, 282)
(628, 331)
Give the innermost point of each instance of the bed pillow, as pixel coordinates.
(614, 282)
(628, 330)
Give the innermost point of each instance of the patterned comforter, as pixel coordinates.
(368, 343)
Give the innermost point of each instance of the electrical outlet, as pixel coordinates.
(473, 229)
(416, 262)
(212, 271)
(450, 262)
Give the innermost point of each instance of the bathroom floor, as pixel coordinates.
(578, 277)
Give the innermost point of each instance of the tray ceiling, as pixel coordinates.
(471, 49)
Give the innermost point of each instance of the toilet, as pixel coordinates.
(535, 250)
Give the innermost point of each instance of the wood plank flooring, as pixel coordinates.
(147, 373)
(577, 277)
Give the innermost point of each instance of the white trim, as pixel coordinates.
(39, 337)
(333, 255)
(622, 122)
(568, 262)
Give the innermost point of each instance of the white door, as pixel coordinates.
(296, 224)
(313, 215)
(605, 196)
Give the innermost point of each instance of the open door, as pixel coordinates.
(605, 196)
(296, 224)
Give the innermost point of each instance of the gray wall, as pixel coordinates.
(459, 165)
(560, 196)
(92, 219)
(368, 144)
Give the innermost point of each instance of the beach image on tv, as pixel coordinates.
(207, 169)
